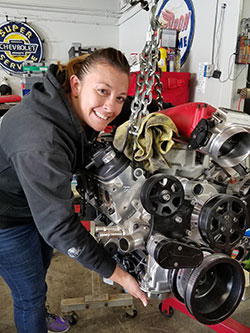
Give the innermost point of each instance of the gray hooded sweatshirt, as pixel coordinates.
(41, 147)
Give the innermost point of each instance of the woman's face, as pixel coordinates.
(99, 97)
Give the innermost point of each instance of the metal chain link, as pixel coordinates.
(146, 78)
(158, 89)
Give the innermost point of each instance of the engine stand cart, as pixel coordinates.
(97, 299)
(227, 326)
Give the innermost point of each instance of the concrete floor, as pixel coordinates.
(68, 279)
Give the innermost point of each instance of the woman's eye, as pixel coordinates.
(121, 99)
(102, 91)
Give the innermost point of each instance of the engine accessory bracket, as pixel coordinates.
(199, 135)
(171, 254)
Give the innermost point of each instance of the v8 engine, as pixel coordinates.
(175, 229)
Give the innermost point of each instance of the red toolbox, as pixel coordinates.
(175, 87)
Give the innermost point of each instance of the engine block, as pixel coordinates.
(175, 230)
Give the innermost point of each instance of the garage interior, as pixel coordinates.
(204, 61)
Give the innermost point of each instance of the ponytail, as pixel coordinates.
(81, 65)
(71, 68)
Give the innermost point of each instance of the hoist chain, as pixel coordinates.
(149, 71)
(158, 89)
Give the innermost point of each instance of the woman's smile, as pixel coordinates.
(99, 115)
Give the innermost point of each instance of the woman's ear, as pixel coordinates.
(75, 85)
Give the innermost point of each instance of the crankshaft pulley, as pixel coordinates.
(211, 291)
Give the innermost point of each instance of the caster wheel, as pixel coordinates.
(72, 317)
(166, 313)
(131, 312)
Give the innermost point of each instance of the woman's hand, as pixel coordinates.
(129, 284)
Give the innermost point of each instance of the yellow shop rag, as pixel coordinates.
(153, 141)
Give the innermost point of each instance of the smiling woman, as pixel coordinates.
(96, 86)
(42, 144)
(98, 98)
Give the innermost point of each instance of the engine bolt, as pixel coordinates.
(111, 211)
(235, 219)
(166, 197)
(226, 217)
(231, 231)
(176, 264)
(138, 172)
(188, 232)
(222, 228)
(179, 248)
(178, 219)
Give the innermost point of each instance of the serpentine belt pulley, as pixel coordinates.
(162, 195)
(223, 221)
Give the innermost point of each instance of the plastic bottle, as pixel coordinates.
(177, 61)
(162, 62)
(171, 62)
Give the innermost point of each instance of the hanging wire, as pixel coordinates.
(230, 69)
(214, 33)
(219, 36)
(241, 71)
(230, 63)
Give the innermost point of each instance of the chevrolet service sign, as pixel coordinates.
(18, 43)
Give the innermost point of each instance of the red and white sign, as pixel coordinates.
(179, 15)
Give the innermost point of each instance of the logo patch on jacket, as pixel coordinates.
(74, 252)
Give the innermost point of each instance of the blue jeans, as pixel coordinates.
(24, 260)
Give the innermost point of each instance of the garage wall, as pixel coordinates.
(61, 22)
(103, 23)
(132, 36)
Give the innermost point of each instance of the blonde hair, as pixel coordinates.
(81, 65)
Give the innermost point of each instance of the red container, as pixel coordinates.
(10, 99)
(175, 87)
